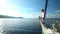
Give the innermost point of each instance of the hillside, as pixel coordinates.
(5, 16)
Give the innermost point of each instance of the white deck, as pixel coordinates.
(47, 31)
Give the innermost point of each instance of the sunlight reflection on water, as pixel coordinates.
(20, 25)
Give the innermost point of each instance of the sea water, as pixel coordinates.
(21, 26)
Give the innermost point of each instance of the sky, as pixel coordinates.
(53, 10)
(29, 8)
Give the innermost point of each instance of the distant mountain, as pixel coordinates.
(19, 17)
(5, 16)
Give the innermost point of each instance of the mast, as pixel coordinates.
(45, 8)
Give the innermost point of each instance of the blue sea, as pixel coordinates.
(26, 25)
(21, 26)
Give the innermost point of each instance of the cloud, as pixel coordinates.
(14, 10)
(50, 15)
(58, 11)
(35, 0)
(30, 9)
(7, 9)
(15, 13)
(53, 15)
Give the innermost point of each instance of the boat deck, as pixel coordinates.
(47, 30)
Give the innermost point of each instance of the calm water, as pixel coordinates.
(21, 26)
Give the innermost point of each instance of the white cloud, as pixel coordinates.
(50, 15)
(7, 9)
(53, 15)
(15, 13)
(56, 15)
(12, 10)
(58, 11)
(3, 3)
(30, 9)
(35, 0)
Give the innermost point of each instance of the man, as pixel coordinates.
(41, 17)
